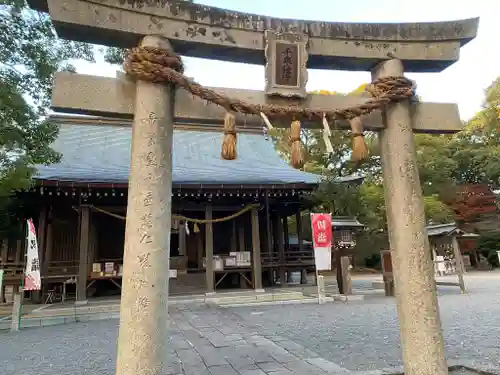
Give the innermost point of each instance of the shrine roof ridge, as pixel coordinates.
(208, 32)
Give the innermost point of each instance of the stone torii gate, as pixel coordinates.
(387, 50)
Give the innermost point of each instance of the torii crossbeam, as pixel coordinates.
(115, 97)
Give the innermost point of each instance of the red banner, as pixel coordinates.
(322, 230)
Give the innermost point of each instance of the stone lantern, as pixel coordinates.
(344, 241)
(344, 231)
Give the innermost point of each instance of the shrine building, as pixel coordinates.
(81, 207)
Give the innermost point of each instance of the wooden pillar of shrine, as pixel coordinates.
(234, 237)
(21, 243)
(199, 248)
(239, 241)
(299, 230)
(209, 250)
(241, 234)
(287, 245)
(300, 239)
(269, 238)
(182, 239)
(84, 249)
(4, 250)
(48, 254)
(93, 245)
(42, 232)
(256, 262)
(281, 249)
(19, 250)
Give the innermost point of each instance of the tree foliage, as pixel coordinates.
(488, 245)
(448, 166)
(30, 54)
(367, 200)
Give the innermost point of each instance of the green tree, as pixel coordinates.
(367, 201)
(30, 54)
(476, 149)
(488, 245)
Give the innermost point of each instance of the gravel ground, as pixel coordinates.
(356, 336)
(365, 335)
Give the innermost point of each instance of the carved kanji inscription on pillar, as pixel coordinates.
(286, 60)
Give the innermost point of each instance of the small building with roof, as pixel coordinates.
(441, 237)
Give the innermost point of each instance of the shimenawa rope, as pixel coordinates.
(190, 219)
(162, 66)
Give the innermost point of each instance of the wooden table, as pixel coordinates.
(110, 278)
(64, 280)
(238, 270)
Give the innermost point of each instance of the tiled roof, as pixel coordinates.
(101, 154)
(346, 222)
(448, 229)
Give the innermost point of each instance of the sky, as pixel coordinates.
(464, 82)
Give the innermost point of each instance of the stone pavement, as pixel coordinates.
(216, 342)
(365, 335)
(203, 341)
(296, 339)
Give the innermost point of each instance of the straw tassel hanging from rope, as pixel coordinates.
(228, 151)
(359, 147)
(295, 145)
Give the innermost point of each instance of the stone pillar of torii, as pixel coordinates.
(387, 50)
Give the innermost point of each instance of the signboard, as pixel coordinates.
(322, 240)
(286, 72)
(286, 64)
(32, 279)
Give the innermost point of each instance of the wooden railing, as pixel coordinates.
(62, 268)
(291, 258)
(299, 257)
(12, 271)
(269, 259)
